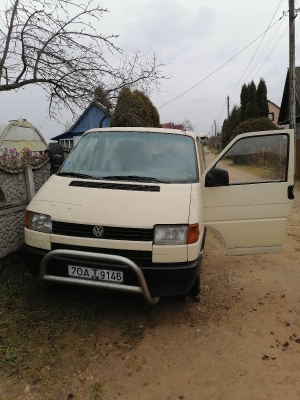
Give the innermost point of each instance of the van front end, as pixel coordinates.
(73, 255)
(122, 213)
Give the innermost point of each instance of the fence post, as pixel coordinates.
(29, 182)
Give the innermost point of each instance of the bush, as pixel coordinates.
(254, 125)
(251, 125)
(12, 159)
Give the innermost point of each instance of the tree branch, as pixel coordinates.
(8, 37)
(54, 44)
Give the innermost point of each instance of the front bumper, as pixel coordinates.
(160, 279)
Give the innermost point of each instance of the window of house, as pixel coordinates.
(271, 116)
(68, 143)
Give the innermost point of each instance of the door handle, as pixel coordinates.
(291, 194)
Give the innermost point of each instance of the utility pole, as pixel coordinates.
(292, 118)
(227, 106)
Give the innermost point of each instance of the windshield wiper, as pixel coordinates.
(135, 178)
(75, 174)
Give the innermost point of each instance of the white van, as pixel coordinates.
(128, 208)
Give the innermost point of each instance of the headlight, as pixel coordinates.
(38, 222)
(170, 234)
(176, 234)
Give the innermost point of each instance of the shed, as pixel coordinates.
(20, 133)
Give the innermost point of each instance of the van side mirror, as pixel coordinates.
(217, 177)
(57, 162)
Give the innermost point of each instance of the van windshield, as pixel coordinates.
(142, 156)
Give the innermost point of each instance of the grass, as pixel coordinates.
(49, 335)
(265, 173)
(132, 332)
(35, 326)
(214, 151)
(96, 390)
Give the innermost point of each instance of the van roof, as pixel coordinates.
(142, 129)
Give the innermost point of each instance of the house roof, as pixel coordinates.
(93, 103)
(283, 117)
(171, 125)
(90, 118)
(61, 136)
(275, 105)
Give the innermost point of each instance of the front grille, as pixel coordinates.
(110, 232)
(140, 257)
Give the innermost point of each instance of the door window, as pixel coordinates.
(256, 159)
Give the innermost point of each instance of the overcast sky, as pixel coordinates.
(194, 38)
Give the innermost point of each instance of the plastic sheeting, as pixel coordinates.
(19, 145)
(19, 134)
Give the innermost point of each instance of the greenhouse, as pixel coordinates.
(19, 134)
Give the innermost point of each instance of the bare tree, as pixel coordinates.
(55, 44)
(187, 125)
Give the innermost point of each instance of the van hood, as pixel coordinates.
(123, 204)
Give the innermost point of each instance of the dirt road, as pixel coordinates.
(240, 342)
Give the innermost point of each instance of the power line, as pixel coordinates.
(265, 49)
(206, 105)
(271, 51)
(216, 70)
(264, 34)
(262, 53)
(207, 112)
(224, 105)
(260, 57)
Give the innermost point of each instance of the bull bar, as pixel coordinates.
(75, 254)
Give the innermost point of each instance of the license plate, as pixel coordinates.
(95, 274)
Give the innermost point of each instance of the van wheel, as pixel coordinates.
(195, 289)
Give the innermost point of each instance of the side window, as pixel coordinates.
(256, 159)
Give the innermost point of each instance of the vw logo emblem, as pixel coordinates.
(98, 231)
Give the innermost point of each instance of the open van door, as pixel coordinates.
(248, 191)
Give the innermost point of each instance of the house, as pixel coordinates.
(171, 125)
(274, 111)
(90, 118)
(283, 118)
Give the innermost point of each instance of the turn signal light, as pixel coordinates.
(193, 233)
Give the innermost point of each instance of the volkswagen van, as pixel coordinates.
(129, 207)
